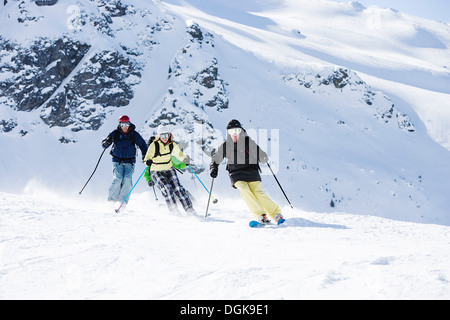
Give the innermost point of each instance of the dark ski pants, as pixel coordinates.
(168, 183)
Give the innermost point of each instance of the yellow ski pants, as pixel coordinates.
(256, 200)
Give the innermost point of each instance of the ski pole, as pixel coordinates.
(154, 191)
(118, 209)
(279, 185)
(94, 170)
(209, 198)
(214, 200)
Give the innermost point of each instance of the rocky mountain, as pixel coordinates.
(76, 85)
(38, 74)
(69, 69)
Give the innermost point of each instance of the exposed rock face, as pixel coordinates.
(46, 2)
(196, 87)
(105, 80)
(203, 83)
(7, 125)
(76, 85)
(34, 73)
(343, 80)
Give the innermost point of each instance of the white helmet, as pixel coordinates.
(165, 129)
(162, 129)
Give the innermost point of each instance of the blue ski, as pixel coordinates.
(254, 223)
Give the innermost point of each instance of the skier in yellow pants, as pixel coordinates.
(243, 155)
(257, 201)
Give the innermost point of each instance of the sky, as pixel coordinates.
(430, 9)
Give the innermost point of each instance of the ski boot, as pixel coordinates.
(263, 218)
(279, 218)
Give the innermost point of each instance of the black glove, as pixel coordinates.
(148, 163)
(106, 143)
(151, 183)
(213, 170)
(187, 160)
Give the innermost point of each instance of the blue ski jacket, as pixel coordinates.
(124, 147)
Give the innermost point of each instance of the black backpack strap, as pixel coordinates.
(158, 152)
(115, 139)
(152, 138)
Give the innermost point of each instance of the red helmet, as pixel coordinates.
(124, 119)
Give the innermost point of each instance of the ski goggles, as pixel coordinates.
(124, 124)
(165, 135)
(234, 131)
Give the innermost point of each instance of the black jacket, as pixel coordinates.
(242, 158)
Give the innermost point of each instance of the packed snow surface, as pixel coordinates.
(56, 248)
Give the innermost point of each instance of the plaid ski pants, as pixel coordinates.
(168, 183)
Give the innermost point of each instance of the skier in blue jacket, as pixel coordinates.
(124, 139)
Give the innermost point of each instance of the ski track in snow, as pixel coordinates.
(56, 248)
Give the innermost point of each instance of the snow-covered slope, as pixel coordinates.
(351, 103)
(336, 139)
(55, 248)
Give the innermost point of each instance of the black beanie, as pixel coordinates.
(233, 124)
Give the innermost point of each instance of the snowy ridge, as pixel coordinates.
(342, 78)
